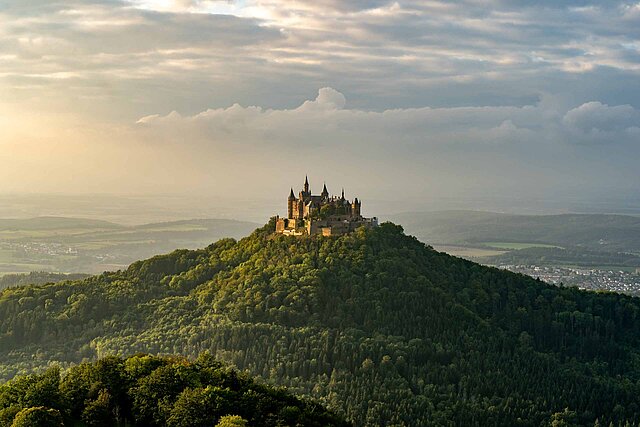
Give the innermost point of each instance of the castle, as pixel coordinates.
(310, 214)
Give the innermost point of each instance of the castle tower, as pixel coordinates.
(306, 185)
(355, 207)
(290, 202)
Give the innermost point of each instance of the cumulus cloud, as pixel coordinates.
(597, 123)
(325, 115)
(327, 99)
(595, 116)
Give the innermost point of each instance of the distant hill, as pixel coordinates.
(375, 325)
(202, 230)
(81, 245)
(618, 233)
(55, 223)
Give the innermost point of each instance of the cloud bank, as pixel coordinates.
(118, 58)
(323, 119)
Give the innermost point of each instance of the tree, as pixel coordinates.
(566, 418)
(99, 412)
(199, 407)
(38, 416)
(232, 421)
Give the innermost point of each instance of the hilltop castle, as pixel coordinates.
(310, 214)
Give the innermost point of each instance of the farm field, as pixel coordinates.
(517, 246)
(467, 251)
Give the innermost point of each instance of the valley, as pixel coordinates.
(72, 245)
(590, 251)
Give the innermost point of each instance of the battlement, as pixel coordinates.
(323, 214)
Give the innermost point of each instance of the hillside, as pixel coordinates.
(144, 390)
(37, 278)
(616, 233)
(375, 325)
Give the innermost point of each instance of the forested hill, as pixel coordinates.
(144, 390)
(376, 325)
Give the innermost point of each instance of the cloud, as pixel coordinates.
(533, 146)
(409, 154)
(327, 99)
(597, 123)
(440, 94)
(385, 54)
(595, 116)
(325, 115)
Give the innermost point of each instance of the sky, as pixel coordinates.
(394, 100)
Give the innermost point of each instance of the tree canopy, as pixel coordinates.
(144, 390)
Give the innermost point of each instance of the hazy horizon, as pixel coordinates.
(142, 209)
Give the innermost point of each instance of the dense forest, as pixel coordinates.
(37, 278)
(375, 325)
(144, 390)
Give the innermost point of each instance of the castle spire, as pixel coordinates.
(291, 195)
(325, 192)
(343, 194)
(306, 184)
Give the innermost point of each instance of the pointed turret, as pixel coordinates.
(342, 194)
(291, 201)
(306, 184)
(325, 192)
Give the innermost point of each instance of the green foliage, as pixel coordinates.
(566, 418)
(152, 391)
(99, 411)
(37, 278)
(39, 416)
(375, 325)
(232, 421)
